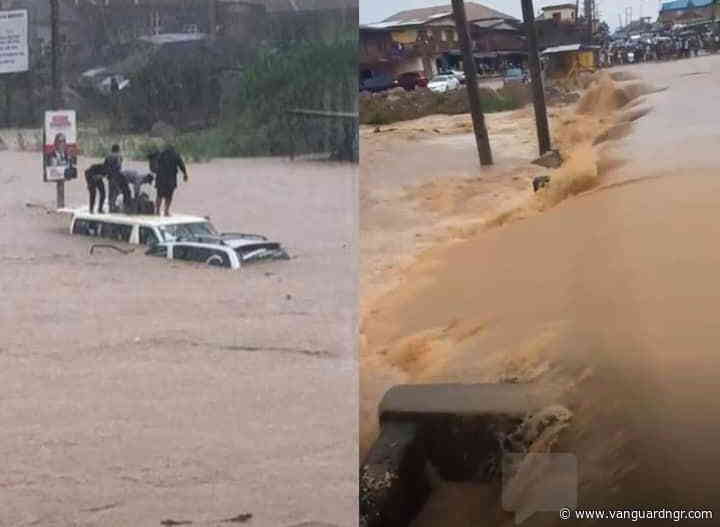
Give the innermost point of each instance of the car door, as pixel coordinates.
(147, 236)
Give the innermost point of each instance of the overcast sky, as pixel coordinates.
(376, 10)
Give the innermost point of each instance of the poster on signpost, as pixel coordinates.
(14, 41)
(60, 150)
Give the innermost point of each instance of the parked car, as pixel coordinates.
(458, 74)
(378, 83)
(412, 80)
(515, 76)
(444, 83)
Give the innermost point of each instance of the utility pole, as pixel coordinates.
(541, 122)
(589, 20)
(481, 134)
(56, 81)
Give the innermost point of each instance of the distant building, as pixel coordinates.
(566, 13)
(426, 39)
(688, 12)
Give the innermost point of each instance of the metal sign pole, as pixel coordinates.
(56, 82)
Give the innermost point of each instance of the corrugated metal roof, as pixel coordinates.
(558, 6)
(274, 6)
(499, 24)
(567, 48)
(417, 17)
(685, 4)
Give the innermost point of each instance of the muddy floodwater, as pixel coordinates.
(136, 390)
(608, 301)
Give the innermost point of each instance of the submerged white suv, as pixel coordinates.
(226, 250)
(179, 237)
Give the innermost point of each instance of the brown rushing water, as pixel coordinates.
(608, 301)
(134, 390)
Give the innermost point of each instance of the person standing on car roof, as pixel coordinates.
(168, 163)
(136, 180)
(94, 177)
(116, 181)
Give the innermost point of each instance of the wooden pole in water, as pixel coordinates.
(481, 134)
(56, 81)
(541, 121)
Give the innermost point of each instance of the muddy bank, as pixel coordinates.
(401, 105)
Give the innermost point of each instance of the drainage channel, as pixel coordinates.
(457, 428)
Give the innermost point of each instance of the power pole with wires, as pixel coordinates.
(471, 82)
(541, 120)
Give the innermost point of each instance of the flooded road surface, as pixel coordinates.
(135, 390)
(610, 302)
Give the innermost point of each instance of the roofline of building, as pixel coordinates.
(558, 6)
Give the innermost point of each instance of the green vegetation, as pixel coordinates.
(397, 106)
(255, 119)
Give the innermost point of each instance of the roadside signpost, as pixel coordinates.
(56, 85)
(60, 146)
(14, 54)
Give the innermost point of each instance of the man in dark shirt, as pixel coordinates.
(168, 163)
(136, 180)
(95, 184)
(116, 181)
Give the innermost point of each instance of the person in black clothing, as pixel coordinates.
(116, 181)
(168, 163)
(95, 184)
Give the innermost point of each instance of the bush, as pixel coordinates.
(308, 75)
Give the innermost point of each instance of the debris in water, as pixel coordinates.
(550, 159)
(539, 182)
(110, 246)
(240, 518)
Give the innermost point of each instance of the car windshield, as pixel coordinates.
(187, 230)
(514, 73)
(441, 78)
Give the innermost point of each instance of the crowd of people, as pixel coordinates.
(164, 166)
(657, 48)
